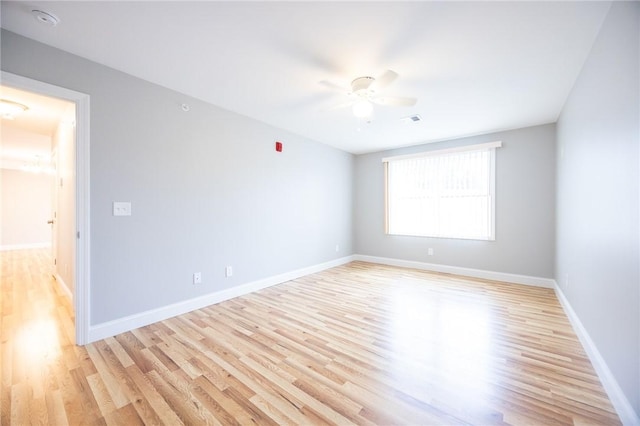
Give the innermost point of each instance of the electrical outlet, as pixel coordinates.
(197, 278)
(121, 208)
(337, 248)
(228, 271)
(429, 251)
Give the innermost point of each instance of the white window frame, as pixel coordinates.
(490, 146)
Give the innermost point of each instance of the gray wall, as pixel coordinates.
(525, 208)
(597, 264)
(207, 189)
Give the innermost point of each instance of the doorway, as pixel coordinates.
(37, 161)
(72, 182)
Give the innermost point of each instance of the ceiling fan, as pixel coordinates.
(364, 93)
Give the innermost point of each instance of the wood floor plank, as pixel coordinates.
(111, 383)
(56, 413)
(159, 406)
(101, 393)
(126, 415)
(357, 344)
(19, 404)
(223, 408)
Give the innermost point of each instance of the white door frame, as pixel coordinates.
(82, 276)
(53, 217)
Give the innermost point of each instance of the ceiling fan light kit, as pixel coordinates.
(362, 108)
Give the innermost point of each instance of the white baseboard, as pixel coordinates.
(63, 286)
(623, 407)
(469, 272)
(25, 246)
(121, 325)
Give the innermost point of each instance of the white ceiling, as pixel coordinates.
(43, 115)
(27, 138)
(475, 67)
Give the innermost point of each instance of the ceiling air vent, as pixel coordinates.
(411, 119)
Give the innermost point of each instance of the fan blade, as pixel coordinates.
(384, 80)
(394, 101)
(334, 86)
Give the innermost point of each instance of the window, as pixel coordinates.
(447, 193)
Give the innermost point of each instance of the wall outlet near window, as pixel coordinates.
(228, 271)
(197, 278)
(429, 251)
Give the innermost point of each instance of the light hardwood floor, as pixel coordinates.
(361, 343)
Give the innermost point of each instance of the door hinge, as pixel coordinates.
(55, 261)
(78, 235)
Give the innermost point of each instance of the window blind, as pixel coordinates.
(447, 193)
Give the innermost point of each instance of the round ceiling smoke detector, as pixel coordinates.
(45, 17)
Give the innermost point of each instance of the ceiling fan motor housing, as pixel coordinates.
(361, 84)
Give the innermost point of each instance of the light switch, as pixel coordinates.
(121, 208)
